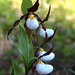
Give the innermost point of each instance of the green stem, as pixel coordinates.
(27, 51)
(30, 40)
(31, 34)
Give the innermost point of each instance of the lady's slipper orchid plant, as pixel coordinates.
(32, 53)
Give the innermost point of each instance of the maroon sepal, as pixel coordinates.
(34, 7)
(46, 36)
(27, 30)
(38, 18)
(35, 40)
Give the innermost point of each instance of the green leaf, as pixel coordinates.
(24, 47)
(31, 52)
(25, 5)
(15, 69)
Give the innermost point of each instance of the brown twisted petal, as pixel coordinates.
(46, 36)
(34, 8)
(16, 23)
(43, 26)
(47, 15)
(39, 19)
(35, 40)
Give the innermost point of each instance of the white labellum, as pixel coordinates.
(42, 32)
(47, 57)
(32, 24)
(44, 68)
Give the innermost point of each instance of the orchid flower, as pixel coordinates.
(43, 68)
(47, 57)
(32, 22)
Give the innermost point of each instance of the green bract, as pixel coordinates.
(25, 5)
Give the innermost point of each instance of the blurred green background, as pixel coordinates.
(62, 16)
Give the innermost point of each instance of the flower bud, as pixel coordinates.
(43, 68)
(49, 32)
(32, 22)
(47, 57)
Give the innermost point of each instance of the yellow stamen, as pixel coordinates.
(31, 16)
(41, 26)
(40, 62)
(41, 50)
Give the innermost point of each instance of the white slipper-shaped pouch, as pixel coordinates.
(32, 22)
(47, 57)
(43, 68)
(49, 32)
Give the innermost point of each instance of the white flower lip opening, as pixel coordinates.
(31, 16)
